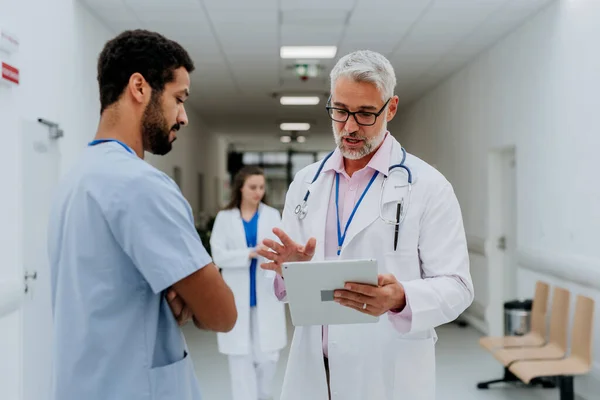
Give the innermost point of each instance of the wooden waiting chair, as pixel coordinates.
(537, 335)
(555, 348)
(557, 344)
(579, 361)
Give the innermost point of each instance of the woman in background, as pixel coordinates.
(254, 344)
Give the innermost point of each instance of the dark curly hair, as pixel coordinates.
(142, 51)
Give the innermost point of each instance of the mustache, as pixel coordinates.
(176, 127)
(352, 135)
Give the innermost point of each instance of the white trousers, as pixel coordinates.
(252, 374)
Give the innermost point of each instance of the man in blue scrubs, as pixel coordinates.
(127, 264)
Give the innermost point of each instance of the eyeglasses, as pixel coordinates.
(363, 118)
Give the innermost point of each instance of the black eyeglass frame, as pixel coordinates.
(353, 113)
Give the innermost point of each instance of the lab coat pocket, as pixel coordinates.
(403, 264)
(414, 376)
(175, 381)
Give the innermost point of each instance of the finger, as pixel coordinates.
(176, 307)
(353, 296)
(176, 313)
(269, 255)
(185, 316)
(174, 301)
(273, 245)
(270, 266)
(285, 239)
(370, 310)
(310, 247)
(367, 290)
(171, 294)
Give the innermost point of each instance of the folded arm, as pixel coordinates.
(154, 225)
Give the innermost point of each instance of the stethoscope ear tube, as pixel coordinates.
(301, 209)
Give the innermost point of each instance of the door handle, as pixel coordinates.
(30, 276)
(502, 243)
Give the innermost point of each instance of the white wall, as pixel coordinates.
(56, 84)
(214, 167)
(538, 90)
(59, 45)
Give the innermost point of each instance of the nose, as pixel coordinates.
(351, 125)
(182, 118)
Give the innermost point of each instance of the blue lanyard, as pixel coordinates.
(341, 237)
(99, 141)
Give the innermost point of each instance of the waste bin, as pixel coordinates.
(517, 317)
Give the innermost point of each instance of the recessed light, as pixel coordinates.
(301, 139)
(299, 100)
(308, 51)
(286, 139)
(294, 126)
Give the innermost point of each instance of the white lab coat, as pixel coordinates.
(230, 252)
(376, 361)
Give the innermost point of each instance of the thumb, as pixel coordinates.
(386, 279)
(310, 247)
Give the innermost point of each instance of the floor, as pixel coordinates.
(461, 363)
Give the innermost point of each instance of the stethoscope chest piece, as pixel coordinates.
(301, 210)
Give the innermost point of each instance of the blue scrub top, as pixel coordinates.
(120, 233)
(251, 229)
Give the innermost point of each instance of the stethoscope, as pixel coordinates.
(301, 209)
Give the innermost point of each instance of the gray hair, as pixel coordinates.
(366, 66)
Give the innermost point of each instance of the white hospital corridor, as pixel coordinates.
(299, 200)
(461, 364)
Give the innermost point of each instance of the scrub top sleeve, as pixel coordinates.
(154, 225)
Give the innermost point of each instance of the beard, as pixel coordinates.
(155, 128)
(369, 144)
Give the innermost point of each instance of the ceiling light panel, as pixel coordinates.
(294, 126)
(311, 52)
(299, 100)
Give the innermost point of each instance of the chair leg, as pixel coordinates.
(461, 323)
(508, 377)
(566, 388)
(544, 382)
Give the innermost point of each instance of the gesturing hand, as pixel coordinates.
(373, 300)
(288, 251)
(180, 311)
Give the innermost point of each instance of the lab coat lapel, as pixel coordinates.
(318, 205)
(262, 224)
(238, 229)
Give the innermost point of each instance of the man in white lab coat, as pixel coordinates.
(424, 276)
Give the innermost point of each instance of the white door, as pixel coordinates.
(508, 241)
(502, 217)
(40, 166)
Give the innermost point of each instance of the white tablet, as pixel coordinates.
(310, 285)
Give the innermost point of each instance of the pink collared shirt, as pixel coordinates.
(350, 191)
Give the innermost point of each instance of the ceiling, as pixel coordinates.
(235, 45)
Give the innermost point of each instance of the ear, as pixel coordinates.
(392, 108)
(138, 88)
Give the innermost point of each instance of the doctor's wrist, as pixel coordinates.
(399, 301)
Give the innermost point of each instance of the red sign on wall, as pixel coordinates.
(10, 73)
